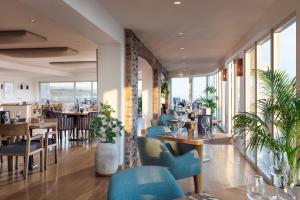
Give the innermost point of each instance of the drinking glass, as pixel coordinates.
(255, 187)
(278, 167)
(205, 122)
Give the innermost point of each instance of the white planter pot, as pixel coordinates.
(106, 159)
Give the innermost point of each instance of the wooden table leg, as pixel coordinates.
(10, 163)
(199, 149)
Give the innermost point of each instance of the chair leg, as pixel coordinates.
(17, 162)
(25, 172)
(46, 158)
(55, 153)
(1, 159)
(42, 160)
(196, 184)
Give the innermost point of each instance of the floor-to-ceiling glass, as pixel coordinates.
(250, 92)
(199, 85)
(180, 89)
(285, 49)
(263, 63)
(231, 95)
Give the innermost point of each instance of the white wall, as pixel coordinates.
(18, 94)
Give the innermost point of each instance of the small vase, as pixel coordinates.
(106, 159)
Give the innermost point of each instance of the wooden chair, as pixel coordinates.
(84, 123)
(64, 124)
(17, 148)
(51, 142)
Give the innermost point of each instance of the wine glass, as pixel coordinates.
(205, 122)
(278, 167)
(18, 115)
(290, 180)
(255, 187)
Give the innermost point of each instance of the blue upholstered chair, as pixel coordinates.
(148, 182)
(154, 131)
(156, 153)
(163, 119)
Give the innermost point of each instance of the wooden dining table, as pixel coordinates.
(192, 140)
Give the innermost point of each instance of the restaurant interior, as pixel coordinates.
(138, 100)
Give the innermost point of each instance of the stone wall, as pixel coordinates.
(134, 49)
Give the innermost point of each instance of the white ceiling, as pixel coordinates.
(16, 16)
(211, 28)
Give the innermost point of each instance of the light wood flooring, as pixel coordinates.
(74, 176)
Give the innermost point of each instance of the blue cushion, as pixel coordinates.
(154, 131)
(148, 182)
(163, 119)
(19, 147)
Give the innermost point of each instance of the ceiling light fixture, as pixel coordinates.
(176, 2)
(180, 33)
(32, 20)
(181, 48)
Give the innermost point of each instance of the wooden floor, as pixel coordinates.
(74, 176)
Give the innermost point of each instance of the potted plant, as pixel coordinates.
(210, 99)
(276, 124)
(106, 128)
(164, 88)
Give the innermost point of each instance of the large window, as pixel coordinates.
(180, 88)
(250, 91)
(263, 63)
(285, 49)
(199, 85)
(69, 91)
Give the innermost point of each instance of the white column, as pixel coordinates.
(110, 74)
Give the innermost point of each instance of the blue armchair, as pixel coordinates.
(154, 131)
(149, 182)
(163, 119)
(155, 152)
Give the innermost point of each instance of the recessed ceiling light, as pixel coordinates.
(181, 48)
(32, 20)
(180, 33)
(177, 2)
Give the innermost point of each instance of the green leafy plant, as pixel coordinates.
(164, 89)
(104, 126)
(276, 124)
(210, 99)
(140, 104)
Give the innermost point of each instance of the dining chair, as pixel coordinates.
(64, 124)
(154, 152)
(84, 123)
(142, 183)
(26, 148)
(51, 142)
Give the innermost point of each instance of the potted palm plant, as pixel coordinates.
(210, 99)
(106, 128)
(277, 121)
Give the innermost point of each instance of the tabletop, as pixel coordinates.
(183, 138)
(44, 125)
(76, 113)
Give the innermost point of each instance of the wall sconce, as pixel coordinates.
(224, 74)
(27, 87)
(2, 87)
(21, 86)
(239, 67)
